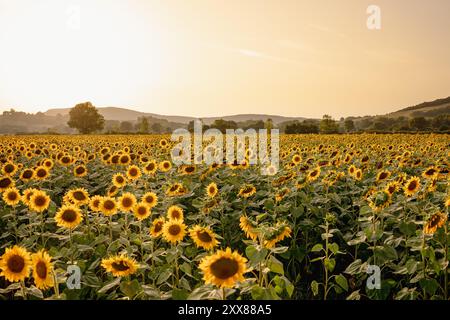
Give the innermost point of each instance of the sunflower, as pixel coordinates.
(282, 194)
(174, 231)
(313, 174)
(150, 198)
(282, 231)
(157, 227)
(11, 196)
(119, 180)
(112, 191)
(248, 227)
(247, 191)
(411, 186)
(42, 270)
(80, 171)
(223, 268)
(120, 265)
(296, 159)
(358, 174)
(435, 222)
(126, 202)
(447, 202)
(94, 203)
(39, 201)
(26, 175)
(203, 237)
(175, 213)
(430, 173)
(187, 170)
(15, 264)
(5, 183)
(133, 172)
(108, 206)
(212, 190)
(41, 173)
(391, 187)
(78, 196)
(124, 159)
(383, 175)
(9, 169)
(351, 170)
(141, 211)
(68, 216)
(150, 167)
(379, 200)
(165, 166)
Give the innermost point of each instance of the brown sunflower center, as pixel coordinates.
(127, 202)
(8, 168)
(142, 211)
(158, 226)
(109, 205)
(151, 167)
(204, 236)
(78, 195)
(16, 263)
(27, 174)
(174, 229)
(119, 179)
(120, 266)
(149, 199)
(189, 169)
(412, 185)
(12, 196)
(176, 214)
(41, 173)
(5, 182)
(40, 201)
(383, 175)
(212, 189)
(80, 170)
(224, 268)
(41, 269)
(69, 215)
(133, 172)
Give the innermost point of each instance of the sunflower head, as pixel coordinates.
(27, 174)
(435, 222)
(174, 231)
(41, 173)
(223, 268)
(78, 196)
(247, 191)
(15, 264)
(94, 203)
(141, 211)
(411, 186)
(150, 198)
(42, 270)
(120, 265)
(39, 201)
(157, 227)
(119, 180)
(5, 183)
(68, 216)
(133, 172)
(11, 196)
(175, 213)
(203, 237)
(212, 190)
(108, 206)
(126, 202)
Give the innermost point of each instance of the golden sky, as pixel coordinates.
(212, 58)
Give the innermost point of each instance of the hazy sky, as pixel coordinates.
(211, 58)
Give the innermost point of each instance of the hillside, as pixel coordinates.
(425, 109)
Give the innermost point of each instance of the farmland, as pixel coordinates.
(360, 216)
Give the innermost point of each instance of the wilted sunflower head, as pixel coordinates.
(435, 222)
(223, 268)
(15, 264)
(157, 227)
(120, 265)
(68, 216)
(42, 270)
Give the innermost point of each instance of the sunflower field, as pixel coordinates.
(111, 217)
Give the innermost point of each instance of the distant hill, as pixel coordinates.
(425, 109)
(122, 114)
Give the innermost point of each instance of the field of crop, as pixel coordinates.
(110, 217)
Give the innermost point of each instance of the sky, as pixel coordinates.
(213, 58)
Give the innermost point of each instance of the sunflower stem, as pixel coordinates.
(224, 294)
(55, 284)
(446, 259)
(110, 228)
(22, 287)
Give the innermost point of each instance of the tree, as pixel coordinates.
(328, 125)
(418, 123)
(156, 127)
(126, 126)
(143, 125)
(269, 124)
(85, 118)
(349, 125)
